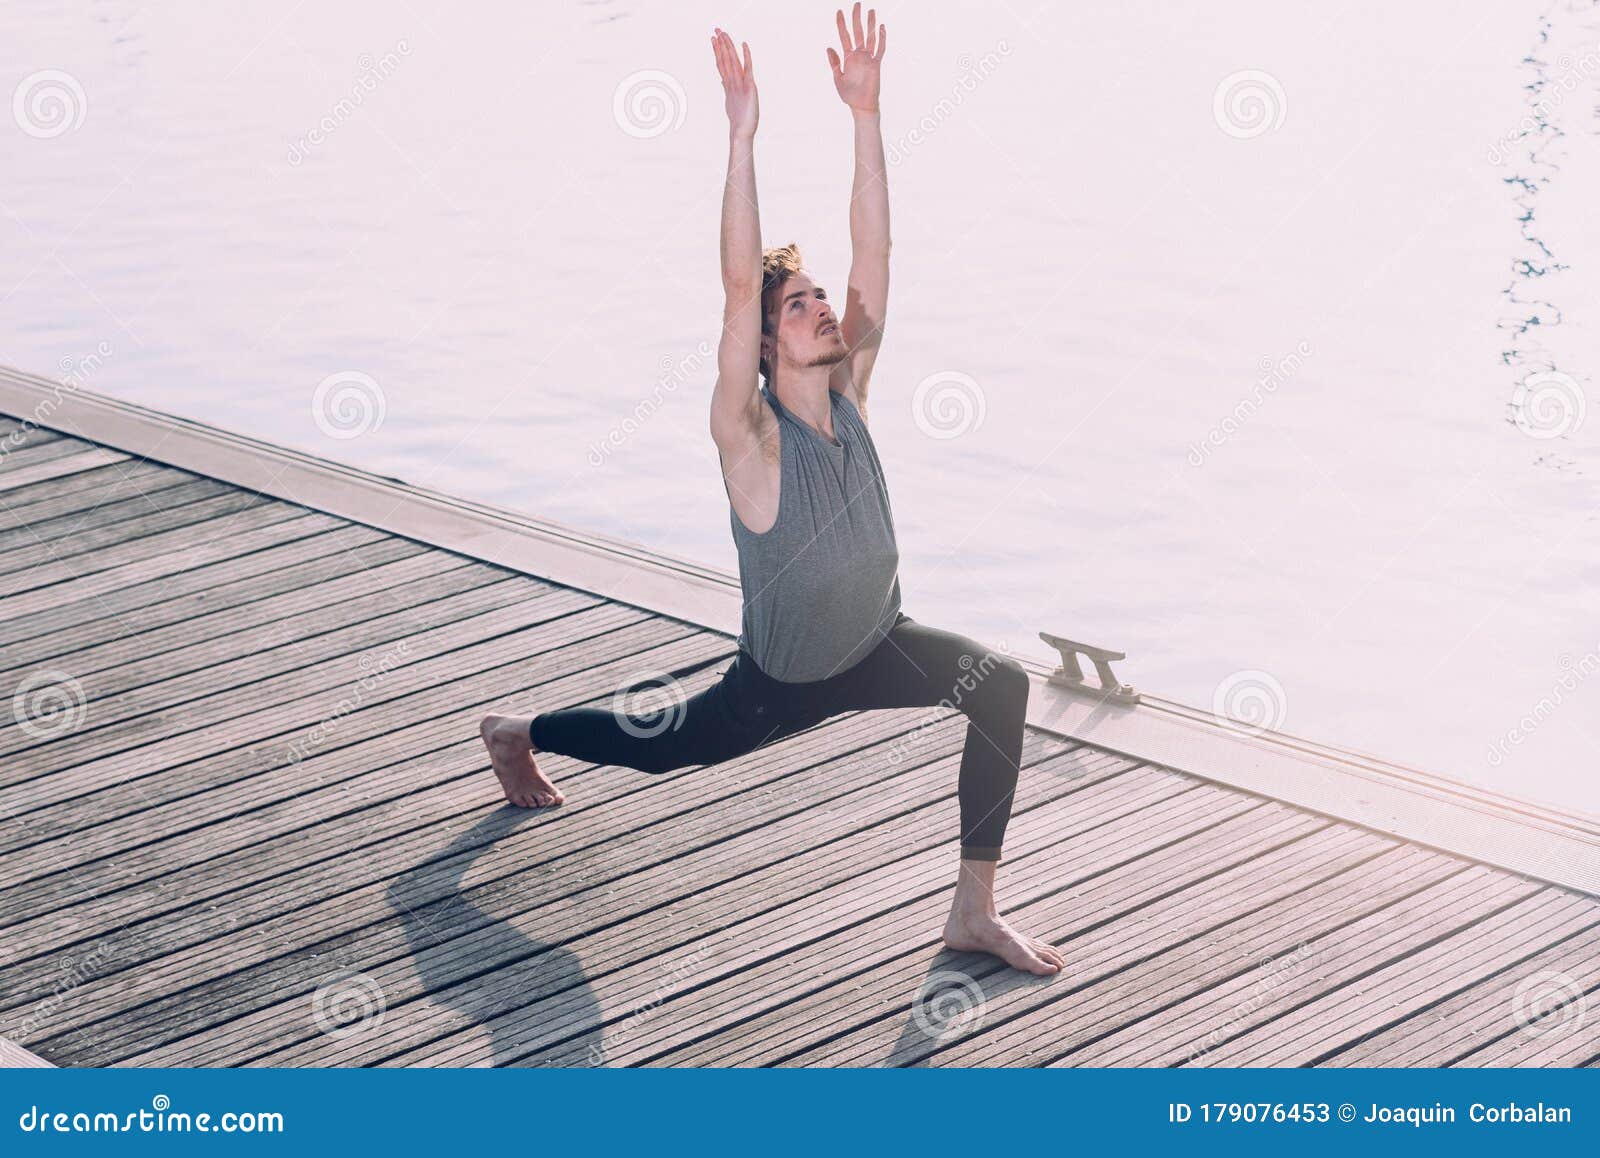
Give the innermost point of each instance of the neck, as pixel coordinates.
(803, 390)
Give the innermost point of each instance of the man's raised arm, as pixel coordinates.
(855, 75)
(734, 401)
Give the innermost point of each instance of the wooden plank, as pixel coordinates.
(61, 522)
(59, 585)
(65, 802)
(163, 732)
(326, 916)
(752, 923)
(290, 891)
(866, 1019)
(841, 980)
(15, 434)
(79, 488)
(275, 734)
(316, 898)
(1477, 1020)
(1187, 1004)
(433, 751)
(260, 640)
(102, 547)
(171, 624)
(59, 468)
(288, 545)
(253, 964)
(1437, 957)
(1133, 995)
(35, 450)
(259, 808)
(330, 648)
(263, 819)
(471, 924)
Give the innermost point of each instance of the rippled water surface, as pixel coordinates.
(1262, 347)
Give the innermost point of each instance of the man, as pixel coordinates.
(823, 632)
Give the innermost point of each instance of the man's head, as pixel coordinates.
(798, 325)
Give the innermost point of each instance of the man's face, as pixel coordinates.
(808, 331)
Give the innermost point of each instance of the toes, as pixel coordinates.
(1034, 963)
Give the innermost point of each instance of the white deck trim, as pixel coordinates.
(1533, 839)
(14, 1057)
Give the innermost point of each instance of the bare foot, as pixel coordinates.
(990, 934)
(511, 754)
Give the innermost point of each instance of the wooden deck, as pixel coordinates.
(247, 821)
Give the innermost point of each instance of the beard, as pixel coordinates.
(830, 357)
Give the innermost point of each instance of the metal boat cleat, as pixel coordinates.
(1070, 673)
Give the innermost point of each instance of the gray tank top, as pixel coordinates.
(822, 587)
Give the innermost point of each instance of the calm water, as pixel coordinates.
(1237, 386)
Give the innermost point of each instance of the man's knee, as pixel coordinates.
(994, 682)
(1011, 680)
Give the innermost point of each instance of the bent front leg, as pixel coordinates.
(920, 666)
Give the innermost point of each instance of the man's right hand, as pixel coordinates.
(738, 83)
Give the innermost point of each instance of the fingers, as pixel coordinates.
(871, 41)
(728, 65)
(833, 62)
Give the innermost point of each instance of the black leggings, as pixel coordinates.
(914, 666)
